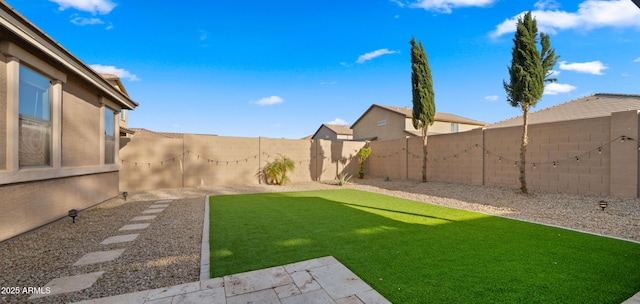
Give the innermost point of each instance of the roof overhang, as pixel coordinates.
(27, 31)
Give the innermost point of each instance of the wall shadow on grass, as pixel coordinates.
(430, 254)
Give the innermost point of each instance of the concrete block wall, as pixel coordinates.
(152, 163)
(606, 166)
(582, 156)
(624, 154)
(204, 160)
(388, 159)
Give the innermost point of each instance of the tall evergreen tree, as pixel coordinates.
(424, 107)
(529, 71)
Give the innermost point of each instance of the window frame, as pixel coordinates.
(13, 56)
(36, 120)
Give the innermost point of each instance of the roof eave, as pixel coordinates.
(24, 29)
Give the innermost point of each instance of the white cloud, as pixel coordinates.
(203, 35)
(554, 73)
(491, 98)
(328, 82)
(591, 14)
(271, 100)
(109, 69)
(81, 21)
(546, 4)
(625, 75)
(337, 121)
(374, 54)
(557, 88)
(446, 6)
(637, 59)
(398, 2)
(91, 6)
(592, 67)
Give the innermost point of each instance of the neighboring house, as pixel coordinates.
(59, 126)
(596, 105)
(141, 132)
(388, 122)
(115, 82)
(333, 132)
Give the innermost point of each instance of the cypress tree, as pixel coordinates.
(529, 71)
(424, 107)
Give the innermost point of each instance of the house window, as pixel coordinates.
(454, 127)
(109, 136)
(34, 105)
(382, 122)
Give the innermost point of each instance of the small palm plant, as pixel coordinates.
(275, 172)
(363, 154)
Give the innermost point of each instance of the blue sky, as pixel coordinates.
(282, 68)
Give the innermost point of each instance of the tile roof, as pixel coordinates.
(440, 116)
(339, 129)
(141, 132)
(596, 105)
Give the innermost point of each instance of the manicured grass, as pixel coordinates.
(413, 252)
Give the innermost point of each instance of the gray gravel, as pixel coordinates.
(168, 252)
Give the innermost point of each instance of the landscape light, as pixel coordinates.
(125, 194)
(603, 204)
(73, 213)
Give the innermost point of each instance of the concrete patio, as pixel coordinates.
(322, 280)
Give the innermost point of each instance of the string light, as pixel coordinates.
(414, 156)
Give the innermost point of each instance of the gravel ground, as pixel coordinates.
(168, 252)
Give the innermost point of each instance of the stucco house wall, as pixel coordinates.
(388, 122)
(325, 133)
(75, 172)
(380, 123)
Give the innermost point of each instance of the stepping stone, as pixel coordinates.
(163, 202)
(287, 291)
(159, 206)
(98, 257)
(304, 265)
(316, 297)
(256, 280)
(304, 281)
(173, 290)
(134, 226)
(149, 211)
(372, 296)
(267, 296)
(353, 299)
(338, 280)
(70, 284)
(136, 297)
(211, 296)
(144, 218)
(119, 239)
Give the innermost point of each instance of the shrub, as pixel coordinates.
(363, 154)
(275, 172)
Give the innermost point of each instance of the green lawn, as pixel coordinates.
(413, 252)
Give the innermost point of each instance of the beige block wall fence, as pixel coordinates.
(605, 164)
(203, 160)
